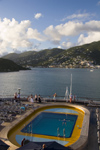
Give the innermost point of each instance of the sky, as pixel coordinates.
(45, 24)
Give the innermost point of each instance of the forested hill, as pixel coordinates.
(9, 66)
(33, 58)
(74, 57)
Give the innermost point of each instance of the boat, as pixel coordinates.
(91, 70)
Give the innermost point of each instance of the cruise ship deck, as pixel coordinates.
(82, 143)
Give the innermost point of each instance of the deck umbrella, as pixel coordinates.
(56, 146)
(30, 146)
(38, 146)
(3, 146)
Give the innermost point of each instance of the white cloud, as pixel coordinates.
(77, 16)
(34, 34)
(36, 47)
(92, 29)
(14, 35)
(59, 46)
(66, 45)
(55, 34)
(16, 51)
(74, 16)
(37, 16)
(91, 37)
(52, 34)
(98, 3)
(71, 29)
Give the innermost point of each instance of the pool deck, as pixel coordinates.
(92, 143)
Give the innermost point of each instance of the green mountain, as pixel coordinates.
(34, 59)
(78, 56)
(8, 66)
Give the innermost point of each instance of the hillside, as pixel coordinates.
(78, 56)
(75, 56)
(8, 66)
(32, 58)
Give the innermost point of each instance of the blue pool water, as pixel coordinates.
(52, 124)
(63, 110)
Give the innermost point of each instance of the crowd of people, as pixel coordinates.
(17, 96)
(36, 98)
(31, 98)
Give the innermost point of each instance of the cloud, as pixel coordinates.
(74, 16)
(91, 37)
(34, 34)
(37, 16)
(20, 35)
(92, 30)
(16, 51)
(66, 45)
(77, 16)
(71, 29)
(55, 34)
(36, 47)
(15, 35)
(98, 3)
(52, 34)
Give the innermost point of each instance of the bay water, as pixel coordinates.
(47, 81)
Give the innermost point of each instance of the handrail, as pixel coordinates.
(50, 97)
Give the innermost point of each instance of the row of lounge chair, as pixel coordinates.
(9, 110)
(93, 103)
(98, 124)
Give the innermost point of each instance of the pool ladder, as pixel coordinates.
(58, 132)
(64, 132)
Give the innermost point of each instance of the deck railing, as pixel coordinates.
(47, 98)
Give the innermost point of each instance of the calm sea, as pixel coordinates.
(47, 81)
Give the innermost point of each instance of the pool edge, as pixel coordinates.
(83, 139)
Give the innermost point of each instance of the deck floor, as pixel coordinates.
(92, 140)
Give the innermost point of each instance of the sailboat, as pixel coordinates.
(71, 90)
(91, 70)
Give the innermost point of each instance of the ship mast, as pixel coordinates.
(71, 87)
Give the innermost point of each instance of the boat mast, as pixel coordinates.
(71, 87)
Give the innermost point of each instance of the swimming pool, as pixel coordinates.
(60, 123)
(52, 124)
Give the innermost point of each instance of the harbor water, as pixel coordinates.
(47, 81)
